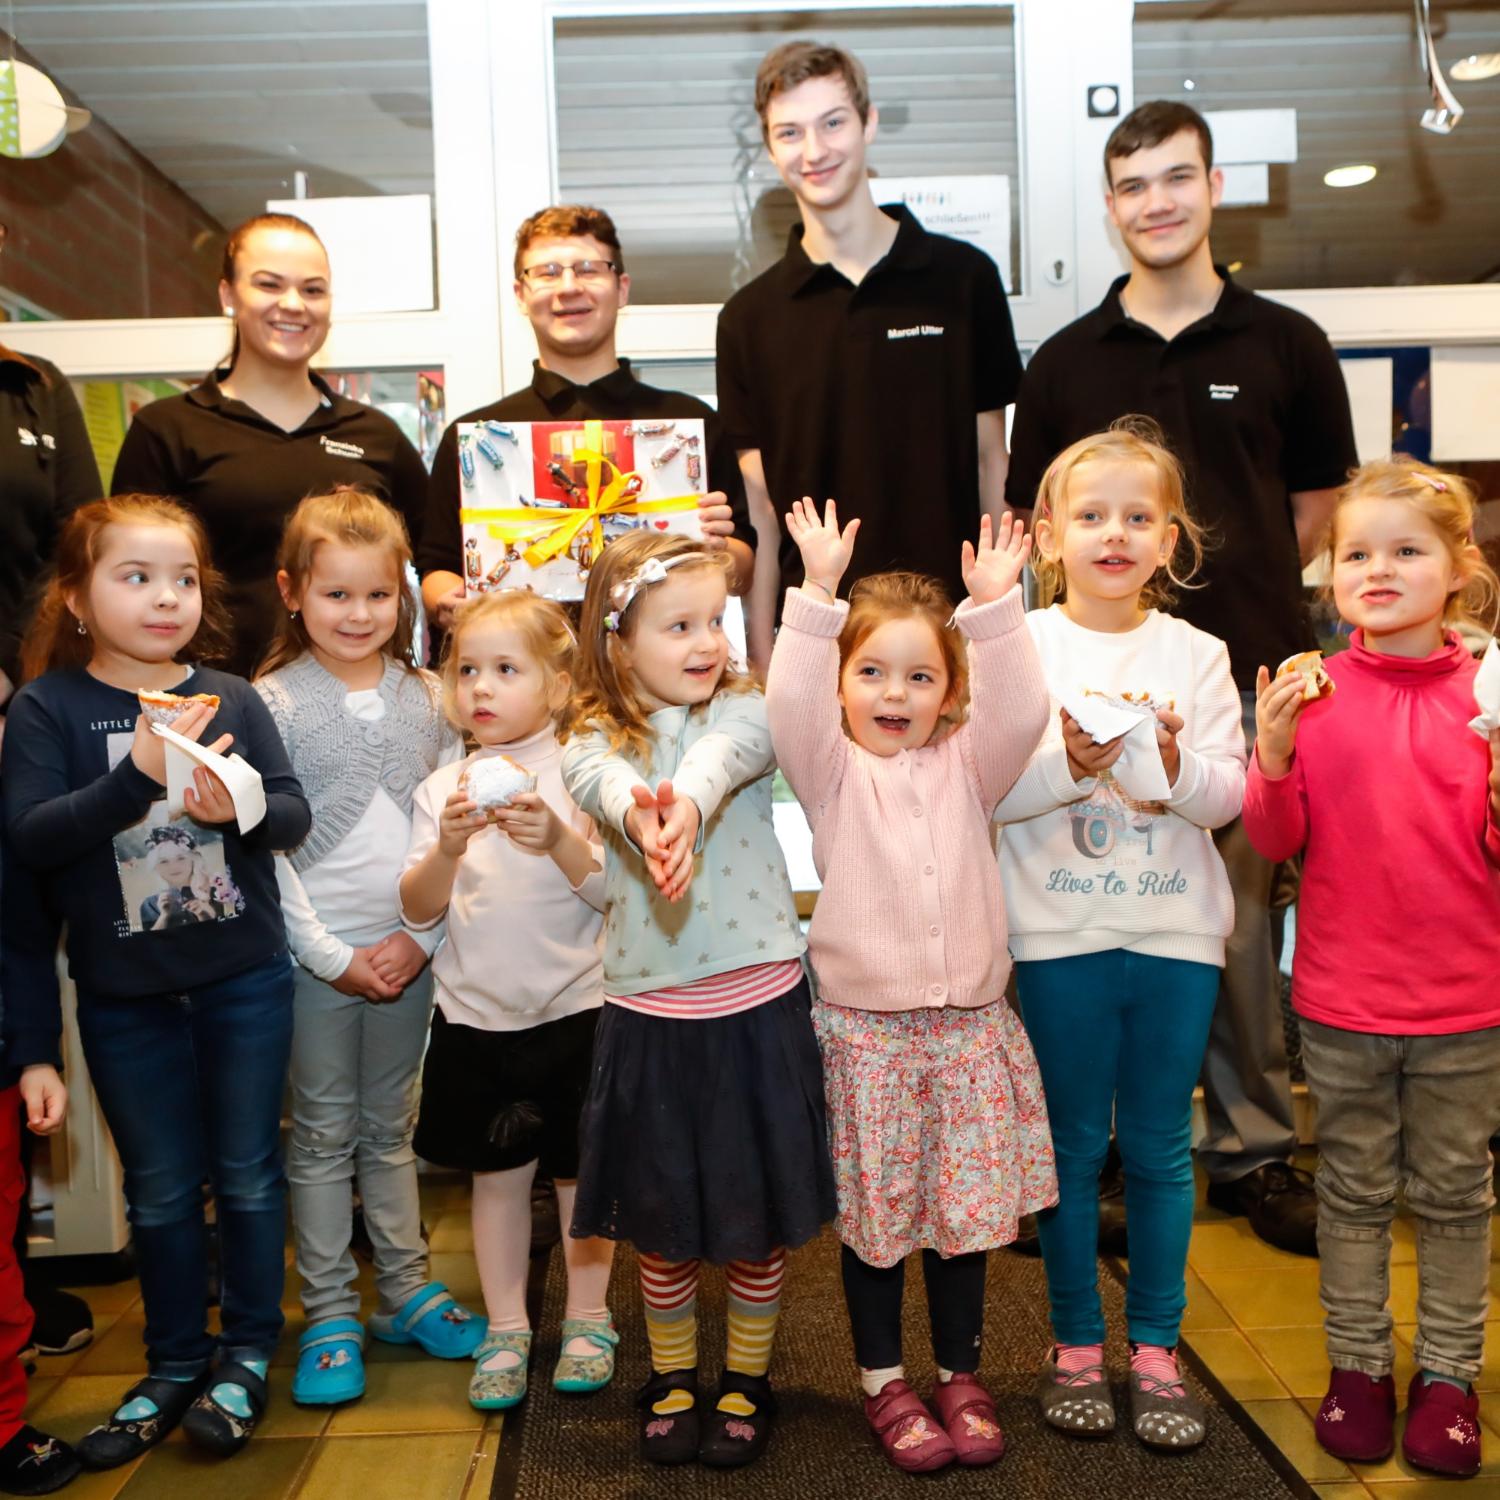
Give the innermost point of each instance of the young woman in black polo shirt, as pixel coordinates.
(244, 447)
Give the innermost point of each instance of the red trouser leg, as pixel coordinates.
(15, 1313)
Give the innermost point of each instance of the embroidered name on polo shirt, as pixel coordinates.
(335, 449)
(916, 331)
(1222, 392)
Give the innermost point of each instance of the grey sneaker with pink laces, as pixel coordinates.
(1077, 1402)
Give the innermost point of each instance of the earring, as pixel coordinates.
(228, 312)
(82, 628)
(292, 615)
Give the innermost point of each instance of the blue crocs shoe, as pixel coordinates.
(432, 1320)
(330, 1363)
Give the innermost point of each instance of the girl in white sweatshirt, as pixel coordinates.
(1119, 905)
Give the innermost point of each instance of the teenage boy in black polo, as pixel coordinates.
(872, 363)
(1251, 398)
(571, 284)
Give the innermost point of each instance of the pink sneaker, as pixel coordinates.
(968, 1415)
(1442, 1428)
(1357, 1420)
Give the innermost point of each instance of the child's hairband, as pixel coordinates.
(1430, 482)
(653, 570)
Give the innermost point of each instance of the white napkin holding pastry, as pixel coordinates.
(241, 780)
(1139, 771)
(1487, 693)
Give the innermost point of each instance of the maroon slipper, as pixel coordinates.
(1442, 1428)
(1357, 1420)
(912, 1437)
(968, 1415)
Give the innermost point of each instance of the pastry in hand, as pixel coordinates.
(1316, 683)
(166, 708)
(495, 781)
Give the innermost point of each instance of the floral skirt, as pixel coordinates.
(937, 1126)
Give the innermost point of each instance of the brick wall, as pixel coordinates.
(96, 231)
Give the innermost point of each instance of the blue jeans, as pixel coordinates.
(191, 1086)
(1119, 1034)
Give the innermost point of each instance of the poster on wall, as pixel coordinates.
(976, 209)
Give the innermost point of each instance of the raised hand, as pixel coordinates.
(825, 549)
(1085, 758)
(991, 570)
(1278, 708)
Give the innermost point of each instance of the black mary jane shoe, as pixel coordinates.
(118, 1440)
(36, 1463)
(731, 1441)
(216, 1428)
(671, 1437)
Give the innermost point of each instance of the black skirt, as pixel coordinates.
(495, 1100)
(706, 1139)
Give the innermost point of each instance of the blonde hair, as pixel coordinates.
(1130, 440)
(54, 641)
(350, 517)
(542, 623)
(1448, 502)
(882, 597)
(606, 696)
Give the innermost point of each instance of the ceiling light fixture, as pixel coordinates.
(1355, 175)
(1476, 67)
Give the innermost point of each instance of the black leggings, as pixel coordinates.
(955, 1304)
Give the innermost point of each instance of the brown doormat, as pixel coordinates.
(556, 1447)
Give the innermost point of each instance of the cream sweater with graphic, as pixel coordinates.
(1086, 868)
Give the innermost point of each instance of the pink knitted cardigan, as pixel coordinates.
(911, 914)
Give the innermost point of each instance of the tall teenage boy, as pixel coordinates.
(1251, 399)
(872, 363)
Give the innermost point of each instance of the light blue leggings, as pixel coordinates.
(1119, 1036)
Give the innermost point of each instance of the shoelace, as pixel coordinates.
(1156, 1374)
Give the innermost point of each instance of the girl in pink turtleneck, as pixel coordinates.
(1394, 801)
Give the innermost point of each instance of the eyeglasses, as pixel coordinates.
(550, 273)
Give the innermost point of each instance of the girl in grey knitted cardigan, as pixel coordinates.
(364, 728)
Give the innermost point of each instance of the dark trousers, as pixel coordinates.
(191, 1086)
(955, 1304)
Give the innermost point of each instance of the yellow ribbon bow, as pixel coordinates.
(552, 532)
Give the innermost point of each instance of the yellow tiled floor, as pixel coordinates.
(1252, 1316)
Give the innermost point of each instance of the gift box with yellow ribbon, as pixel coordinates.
(541, 500)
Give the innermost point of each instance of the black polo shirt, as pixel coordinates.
(47, 471)
(243, 476)
(551, 397)
(1252, 401)
(869, 393)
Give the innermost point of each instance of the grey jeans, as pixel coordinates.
(1247, 1088)
(355, 1068)
(1414, 1112)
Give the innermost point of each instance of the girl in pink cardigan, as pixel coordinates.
(1393, 800)
(939, 1132)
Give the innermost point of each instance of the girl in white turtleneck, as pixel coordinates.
(519, 981)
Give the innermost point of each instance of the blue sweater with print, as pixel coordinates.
(153, 904)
